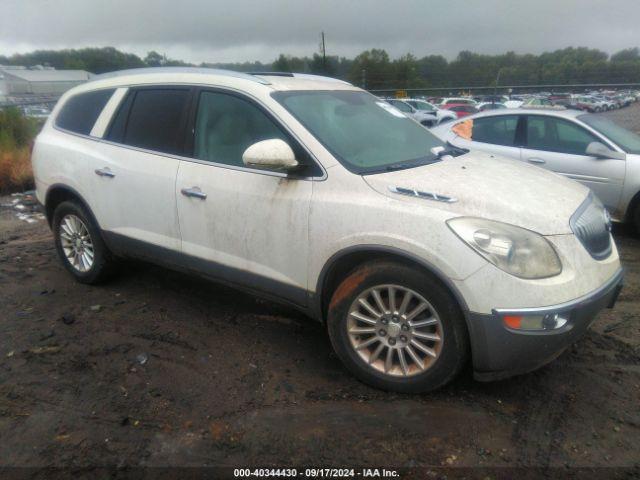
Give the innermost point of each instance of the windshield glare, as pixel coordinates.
(364, 133)
(625, 139)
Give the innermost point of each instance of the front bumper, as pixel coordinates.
(500, 352)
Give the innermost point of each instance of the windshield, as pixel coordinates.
(625, 139)
(365, 134)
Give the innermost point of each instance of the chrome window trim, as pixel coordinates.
(205, 162)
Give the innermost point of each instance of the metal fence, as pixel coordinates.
(29, 100)
(505, 89)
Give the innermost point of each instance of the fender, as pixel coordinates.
(74, 193)
(316, 302)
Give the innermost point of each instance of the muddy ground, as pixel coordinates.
(157, 368)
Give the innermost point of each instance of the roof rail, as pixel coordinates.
(272, 74)
(195, 70)
(307, 76)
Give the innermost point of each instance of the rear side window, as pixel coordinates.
(498, 130)
(81, 111)
(152, 119)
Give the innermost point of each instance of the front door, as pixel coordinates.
(559, 145)
(243, 225)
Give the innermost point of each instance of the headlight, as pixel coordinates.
(517, 251)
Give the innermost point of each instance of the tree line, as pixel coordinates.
(375, 69)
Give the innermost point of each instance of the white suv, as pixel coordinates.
(416, 255)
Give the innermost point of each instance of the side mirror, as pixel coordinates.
(599, 150)
(273, 153)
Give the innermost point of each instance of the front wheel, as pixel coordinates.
(397, 328)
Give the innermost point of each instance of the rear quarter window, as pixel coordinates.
(80, 112)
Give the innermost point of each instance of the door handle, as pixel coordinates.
(536, 160)
(194, 192)
(105, 172)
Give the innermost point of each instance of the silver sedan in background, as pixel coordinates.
(585, 147)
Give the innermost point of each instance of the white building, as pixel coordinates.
(23, 82)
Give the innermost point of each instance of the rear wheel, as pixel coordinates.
(79, 244)
(397, 328)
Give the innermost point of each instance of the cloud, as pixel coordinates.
(239, 30)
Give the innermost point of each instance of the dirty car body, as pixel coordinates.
(311, 191)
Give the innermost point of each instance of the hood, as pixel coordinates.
(490, 187)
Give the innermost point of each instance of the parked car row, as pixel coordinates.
(435, 111)
(422, 111)
(415, 254)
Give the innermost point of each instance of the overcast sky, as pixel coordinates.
(245, 30)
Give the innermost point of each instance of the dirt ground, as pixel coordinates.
(156, 368)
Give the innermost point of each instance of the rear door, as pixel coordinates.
(133, 180)
(497, 134)
(559, 145)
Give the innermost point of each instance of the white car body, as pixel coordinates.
(284, 236)
(513, 103)
(442, 115)
(462, 100)
(613, 180)
(426, 119)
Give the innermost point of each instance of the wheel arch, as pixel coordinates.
(344, 261)
(58, 193)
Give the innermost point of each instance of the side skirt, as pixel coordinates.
(261, 286)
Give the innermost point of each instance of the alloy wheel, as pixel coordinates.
(76, 243)
(395, 330)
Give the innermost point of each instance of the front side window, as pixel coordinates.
(81, 111)
(364, 133)
(152, 119)
(498, 130)
(227, 125)
(557, 135)
(625, 139)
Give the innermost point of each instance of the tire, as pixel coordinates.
(636, 218)
(70, 221)
(451, 352)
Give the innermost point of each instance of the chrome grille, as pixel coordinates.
(592, 225)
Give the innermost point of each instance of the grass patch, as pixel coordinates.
(16, 136)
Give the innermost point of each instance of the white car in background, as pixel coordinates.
(442, 115)
(423, 118)
(484, 106)
(414, 255)
(584, 147)
(513, 103)
(457, 101)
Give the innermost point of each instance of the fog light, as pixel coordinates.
(549, 321)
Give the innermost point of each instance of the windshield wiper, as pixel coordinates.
(403, 165)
